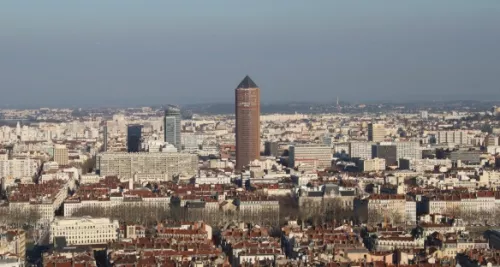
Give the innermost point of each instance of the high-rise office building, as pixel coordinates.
(376, 132)
(172, 127)
(387, 151)
(61, 154)
(247, 106)
(271, 148)
(105, 137)
(134, 134)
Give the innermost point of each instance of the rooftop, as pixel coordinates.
(247, 83)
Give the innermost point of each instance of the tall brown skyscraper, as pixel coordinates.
(247, 122)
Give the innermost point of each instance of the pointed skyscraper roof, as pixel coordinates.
(247, 83)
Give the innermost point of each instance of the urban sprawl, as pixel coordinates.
(150, 186)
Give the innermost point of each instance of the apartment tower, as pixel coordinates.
(247, 107)
(61, 154)
(172, 127)
(105, 137)
(376, 132)
(134, 135)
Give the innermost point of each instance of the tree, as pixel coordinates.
(4, 215)
(486, 128)
(409, 220)
(312, 211)
(289, 209)
(33, 215)
(396, 217)
(417, 232)
(496, 214)
(486, 216)
(88, 165)
(374, 216)
(470, 216)
(133, 214)
(20, 218)
(454, 211)
(332, 208)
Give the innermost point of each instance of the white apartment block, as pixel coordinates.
(125, 165)
(11, 169)
(318, 156)
(452, 137)
(90, 178)
(421, 165)
(85, 230)
(464, 203)
(389, 243)
(372, 165)
(362, 150)
(61, 154)
(376, 132)
(216, 179)
(408, 149)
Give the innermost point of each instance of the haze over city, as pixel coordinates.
(284, 133)
(119, 53)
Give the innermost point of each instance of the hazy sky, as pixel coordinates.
(130, 52)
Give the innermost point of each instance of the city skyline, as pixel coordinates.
(131, 133)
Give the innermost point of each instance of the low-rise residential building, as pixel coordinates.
(45, 198)
(69, 258)
(390, 243)
(13, 241)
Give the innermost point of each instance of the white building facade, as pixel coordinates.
(85, 230)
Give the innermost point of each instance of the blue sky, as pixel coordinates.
(81, 53)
